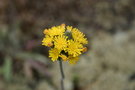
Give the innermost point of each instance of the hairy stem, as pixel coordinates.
(62, 75)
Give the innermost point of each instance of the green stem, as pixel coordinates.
(62, 75)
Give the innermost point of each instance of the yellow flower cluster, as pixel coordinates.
(66, 42)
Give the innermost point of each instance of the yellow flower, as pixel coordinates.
(78, 36)
(47, 41)
(73, 60)
(60, 42)
(74, 48)
(66, 43)
(54, 54)
(56, 30)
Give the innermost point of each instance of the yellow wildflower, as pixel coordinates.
(60, 42)
(56, 30)
(47, 41)
(66, 43)
(78, 36)
(54, 54)
(74, 48)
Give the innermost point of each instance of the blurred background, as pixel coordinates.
(109, 63)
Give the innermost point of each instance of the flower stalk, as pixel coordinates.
(62, 75)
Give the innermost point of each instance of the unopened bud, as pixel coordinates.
(50, 44)
(84, 49)
(65, 58)
(63, 25)
(46, 31)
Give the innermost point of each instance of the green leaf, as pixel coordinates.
(1, 70)
(7, 68)
(32, 56)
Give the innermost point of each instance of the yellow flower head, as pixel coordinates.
(74, 48)
(60, 42)
(56, 30)
(79, 36)
(47, 41)
(54, 54)
(66, 43)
